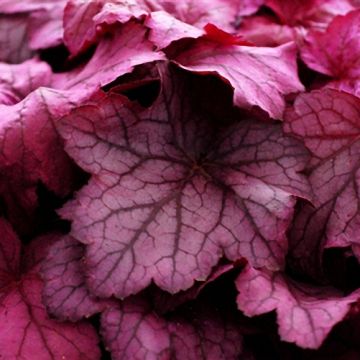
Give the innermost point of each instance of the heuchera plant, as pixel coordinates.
(179, 179)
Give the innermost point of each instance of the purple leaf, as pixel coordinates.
(305, 313)
(17, 81)
(309, 13)
(116, 55)
(328, 123)
(65, 294)
(46, 27)
(26, 331)
(31, 150)
(14, 46)
(264, 30)
(337, 52)
(165, 29)
(79, 30)
(169, 21)
(35, 253)
(44, 20)
(132, 331)
(172, 173)
(253, 72)
(10, 247)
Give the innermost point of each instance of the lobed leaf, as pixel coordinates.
(133, 331)
(172, 188)
(336, 52)
(305, 313)
(253, 72)
(328, 122)
(65, 293)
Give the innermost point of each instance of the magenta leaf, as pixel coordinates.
(79, 30)
(337, 52)
(168, 174)
(222, 13)
(263, 30)
(12, 7)
(328, 122)
(133, 331)
(249, 7)
(36, 251)
(116, 55)
(165, 29)
(65, 294)
(309, 13)
(169, 21)
(46, 26)
(253, 72)
(26, 331)
(31, 150)
(44, 19)
(17, 81)
(9, 254)
(14, 46)
(305, 313)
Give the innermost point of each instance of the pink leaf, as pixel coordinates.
(116, 55)
(337, 52)
(46, 27)
(186, 19)
(14, 46)
(10, 247)
(31, 150)
(26, 331)
(65, 294)
(165, 29)
(79, 31)
(305, 313)
(35, 253)
(253, 72)
(328, 122)
(44, 20)
(17, 81)
(132, 331)
(309, 13)
(263, 30)
(168, 174)
(169, 21)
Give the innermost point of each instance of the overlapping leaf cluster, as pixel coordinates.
(175, 174)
